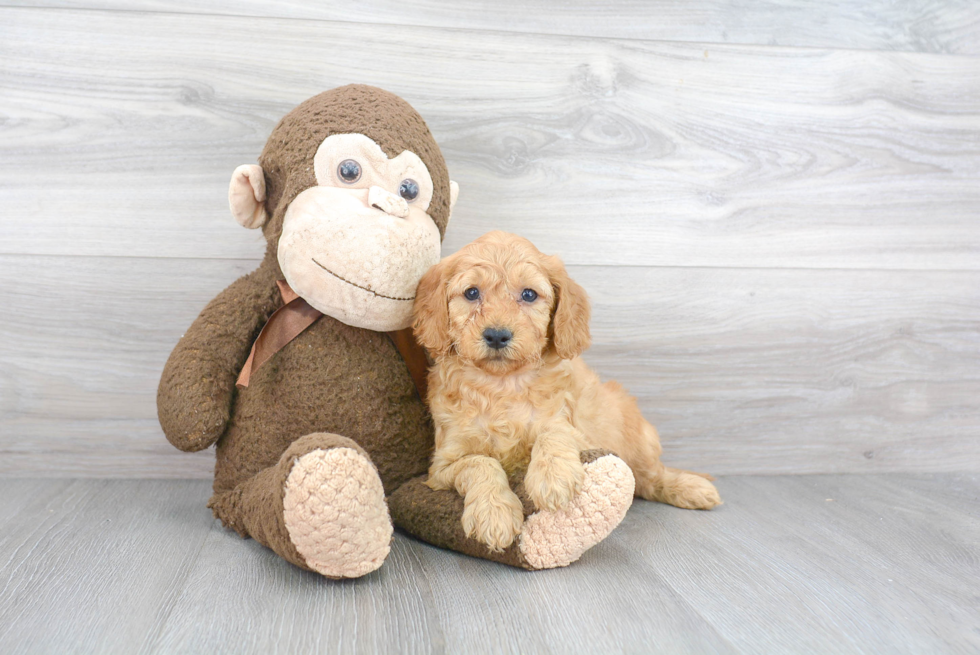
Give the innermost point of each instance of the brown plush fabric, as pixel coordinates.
(384, 117)
(333, 379)
(593, 454)
(197, 388)
(434, 516)
(254, 508)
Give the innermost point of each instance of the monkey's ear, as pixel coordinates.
(569, 330)
(431, 311)
(246, 196)
(453, 194)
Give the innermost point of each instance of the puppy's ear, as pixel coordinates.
(431, 311)
(569, 330)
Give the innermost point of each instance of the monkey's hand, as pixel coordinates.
(197, 388)
(193, 412)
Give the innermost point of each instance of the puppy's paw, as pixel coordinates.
(552, 481)
(494, 519)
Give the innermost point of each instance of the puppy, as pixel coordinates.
(505, 326)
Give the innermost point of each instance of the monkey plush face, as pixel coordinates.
(356, 245)
(357, 235)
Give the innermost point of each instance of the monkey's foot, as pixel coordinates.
(557, 538)
(335, 513)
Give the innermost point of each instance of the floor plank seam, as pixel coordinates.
(417, 562)
(151, 643)
(471, 30)
(698, 267)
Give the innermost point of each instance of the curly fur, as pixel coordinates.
(532, 406)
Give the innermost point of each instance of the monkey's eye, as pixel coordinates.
(409, 189)
(349, 171)
(472, 293)
(529, 295)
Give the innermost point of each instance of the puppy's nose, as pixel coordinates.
(497, 338)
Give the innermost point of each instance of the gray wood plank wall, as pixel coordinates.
(776, 210)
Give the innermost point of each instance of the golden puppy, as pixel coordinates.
(509, 392)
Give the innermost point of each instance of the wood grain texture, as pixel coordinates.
(823, 564)
(20, 493)
(81, 356)
(921, 25)
(95, 566)
(836, 371)
(601, 605)
(798, 564)
(270, 606)
(743, 371)
(687, 155)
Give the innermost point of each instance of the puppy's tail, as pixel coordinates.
(676, 487)
(706, 476)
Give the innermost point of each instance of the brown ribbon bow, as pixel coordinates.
(289, 321)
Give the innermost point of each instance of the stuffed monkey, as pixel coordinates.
(304, 374)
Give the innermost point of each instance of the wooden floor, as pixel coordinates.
(790, 564)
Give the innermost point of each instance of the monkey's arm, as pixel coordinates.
(198, 383)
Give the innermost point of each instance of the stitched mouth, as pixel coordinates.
(354, 284)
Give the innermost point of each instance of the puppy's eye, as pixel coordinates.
(529, 295)
(472, 293)
(349, 171)
(409, 189)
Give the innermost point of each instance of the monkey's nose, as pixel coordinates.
(497, 338)
(387, 202)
